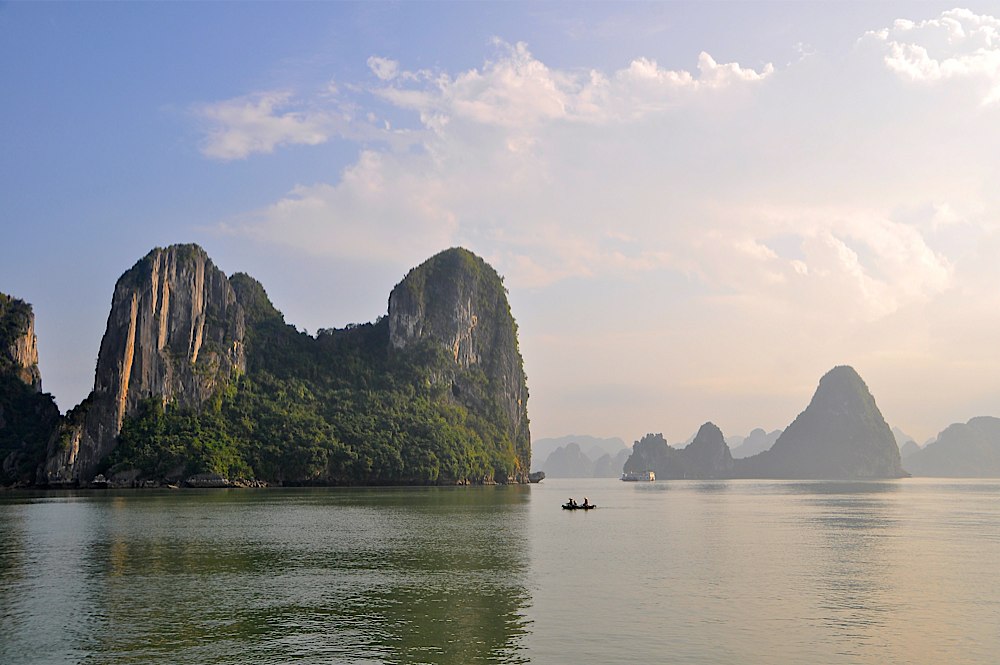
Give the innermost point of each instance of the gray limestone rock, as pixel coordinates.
(456, 301)
(175, 332)
(840, 435)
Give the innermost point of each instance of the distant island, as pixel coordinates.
(757, 441)
(841, 434)
(579, 456)
(969, 450)
(201, 381)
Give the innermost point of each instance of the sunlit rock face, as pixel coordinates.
(18, 344)
(457, 302)
(175, 332)
(841, 434)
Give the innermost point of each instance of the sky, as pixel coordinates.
(698, 208)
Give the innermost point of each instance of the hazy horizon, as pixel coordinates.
(698, 208)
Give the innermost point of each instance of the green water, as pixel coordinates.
(685, 572)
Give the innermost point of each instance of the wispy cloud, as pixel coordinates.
(492, 166)
(809, 212)
(258, 123)
(517, 90)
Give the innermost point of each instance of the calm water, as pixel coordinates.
(674, 572)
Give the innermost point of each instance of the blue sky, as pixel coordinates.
(698, 208)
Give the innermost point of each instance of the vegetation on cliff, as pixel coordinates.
(346, 406)
(27, 416)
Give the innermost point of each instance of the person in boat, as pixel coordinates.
(572, 502)
(586, 502)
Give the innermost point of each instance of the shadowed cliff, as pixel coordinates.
(27, 416)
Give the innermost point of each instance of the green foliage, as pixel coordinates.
(345, 407)
(250, 293)
(27, 420)
(335, 409)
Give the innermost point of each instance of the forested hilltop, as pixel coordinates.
(201, 380)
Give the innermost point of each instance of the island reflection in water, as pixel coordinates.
(746, 571)
(388, 575)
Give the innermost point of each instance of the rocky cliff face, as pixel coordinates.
(18, 344)
(175, 333)
(841, 434)
(457, 301)
(27, 416)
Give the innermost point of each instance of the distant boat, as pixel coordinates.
(633, 476)
(536, 477)
(578, 506)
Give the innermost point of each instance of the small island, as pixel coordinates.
(201, 382)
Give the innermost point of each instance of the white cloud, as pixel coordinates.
(518, 90)
(812, 214)
(243, 126)
(380, 210)
(486, 172)
(955, 46)
(556, 174)
(384, 68)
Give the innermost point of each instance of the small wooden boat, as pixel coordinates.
(578, 506)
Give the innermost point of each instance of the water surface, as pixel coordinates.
(678, 571)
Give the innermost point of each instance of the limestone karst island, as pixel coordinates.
(201, 382)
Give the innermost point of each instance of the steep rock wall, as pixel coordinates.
(175, 333)
(18, 344)
(456, 300)
(27, 416)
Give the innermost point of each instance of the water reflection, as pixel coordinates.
(12, 574)
(841, 487)
(403, 576)
(854, 587)
(712, 486)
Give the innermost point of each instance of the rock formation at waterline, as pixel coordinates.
(707, 456)
(841, 434)
(27, 416)
(970, 450)
(457, 301)
(200, 376)
(174, 334)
